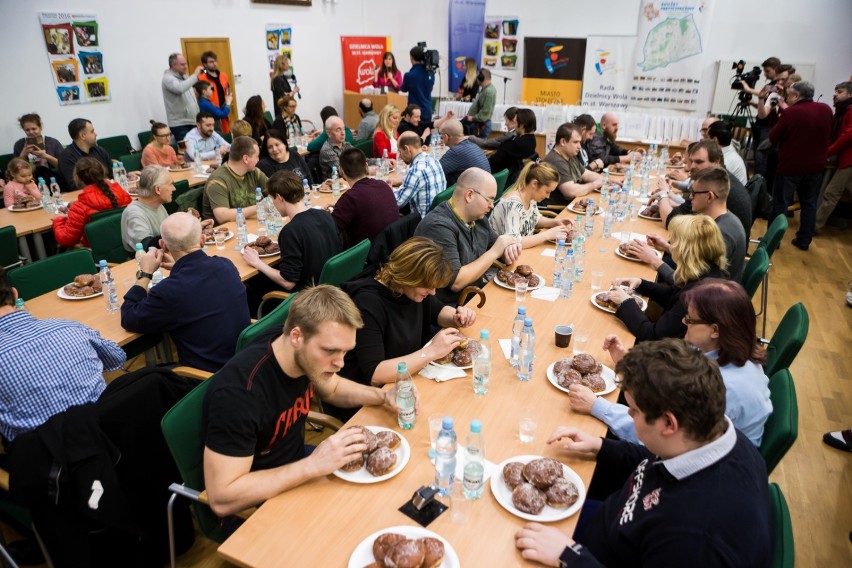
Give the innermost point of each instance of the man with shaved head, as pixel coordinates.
(424, 179)
(602, 148)
(369, 118)
(462, 153)
(459, 227)
(202, 304)
(329, 156)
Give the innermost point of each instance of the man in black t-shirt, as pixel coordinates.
(256, 406)
(306, 242)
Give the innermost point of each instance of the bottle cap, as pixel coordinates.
(19, 302)
(138, 246)
(561, 242)
(102, 264)
(402, 367)
(483, 334)
(522, 310)
(527, 322)
(476, 426)
(447, 423)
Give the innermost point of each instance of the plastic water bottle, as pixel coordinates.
(46, 198)
(384, 168)
(579, 259)
(527, 354)
(307, 189)
(517, 328)
(271, 217)
(335, 183)
(56, 194)
(140, 252)
(108, 284)
(242, 231)
(628, 178)
(482, 364)
(590, 218)
(605, 186)
(566, 286)
(20, 306)
(474, 461)
(261, 210)
(122, 177)
(445, 458)
(558, 262)
(405, 397)
(199, 167)
(609, 216)
(157, 277)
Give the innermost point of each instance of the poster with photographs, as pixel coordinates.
(279, 41)
(75, 57)
(500, 46)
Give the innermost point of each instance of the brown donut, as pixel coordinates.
(528, 499)
(515, 277)
(387, 439)
(503, 275)
(354, 465)
(463, 357)
(562, 365)
(594, 381)
(524, 270)
(542, 472)
(562, 494)
(83, 280)
(445, 360)
(585, 363)
(369, 438)
(381, 461)
(96, 284)
(434, 552)
(534, 281)
(569, 377)
(272, 248)
(406, 553)
(513, 474)
(263, 241)
(383, 543)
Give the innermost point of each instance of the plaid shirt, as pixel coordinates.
(424, 180)
(47, 366)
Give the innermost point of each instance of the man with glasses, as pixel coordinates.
(424, 179)
(462, 153)
(460, 228)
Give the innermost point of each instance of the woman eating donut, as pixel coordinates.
(698, 250)
(720, 321)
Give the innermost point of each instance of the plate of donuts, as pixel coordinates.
(83, 287)
(539, 489)
(388, 454)
(582, 369)
(506, 278)
(435, 551)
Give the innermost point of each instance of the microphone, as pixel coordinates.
(818, 98)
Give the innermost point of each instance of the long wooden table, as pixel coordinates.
(321, 522)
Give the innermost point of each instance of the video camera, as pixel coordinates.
(430, 57)
(750, 78)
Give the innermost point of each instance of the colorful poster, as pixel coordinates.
(75, 57)
(466, 17)
(361, 56)
(279, 41)
(500, 48)
(607, 77)
(553, 70)
(669, 53)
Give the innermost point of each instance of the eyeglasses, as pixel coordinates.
(700, 192)
(689, 321)
(489, 200)
(166, 135)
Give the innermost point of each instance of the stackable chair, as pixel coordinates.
(274, 319)
(132, 162)
(104, 236)
(365, 146)
(787, 340)
(144, 138)
(770, 242)
(782, 426)
(181, 188)
(9, 257)
(42, 276)
(116, 146)
(755, 271)
(783, 548)
(501, 178)
(443, 196)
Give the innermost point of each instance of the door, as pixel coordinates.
(221, 46)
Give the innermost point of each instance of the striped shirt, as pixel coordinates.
(424, 180)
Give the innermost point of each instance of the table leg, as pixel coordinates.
(39, 245)
(24, 248)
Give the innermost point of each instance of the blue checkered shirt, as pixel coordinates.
(424, 180)
(47, 366)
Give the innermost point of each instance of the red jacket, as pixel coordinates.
(69, 230)
(380, 144)
(802, 136)
(843, 145)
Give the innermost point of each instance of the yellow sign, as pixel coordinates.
(552, 91)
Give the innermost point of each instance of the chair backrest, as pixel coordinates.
(501, 177)
(758, 192)
(385, 242)
(190, 198)
(50, 273)
(4, 161)
(774, 234)
(106, 213)
(104, 236)
(274, 319)
(182, 427)
(443, 196)
(116, 146)
(228, 137)
(783, 548)
(181, 187)
(132, 162)
(144, 138)
(754, 271)
(349, 263)
(9, 247)
(782, 426)
(788, 339)
(268, 116)
(365, 146)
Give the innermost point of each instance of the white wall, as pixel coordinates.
(137, 37)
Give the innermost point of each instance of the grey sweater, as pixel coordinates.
(178, 96)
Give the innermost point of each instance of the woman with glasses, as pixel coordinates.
(288, 116)
(158, 152)
(720, 322)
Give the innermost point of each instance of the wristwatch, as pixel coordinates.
(569, 553)
(140, 275)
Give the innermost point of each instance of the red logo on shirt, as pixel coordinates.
(651, 499)
(290, 416)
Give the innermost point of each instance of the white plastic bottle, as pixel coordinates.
(46, 198)
(384, 168)
(242, 231)
(199, 167)
(307, 189)
(559, 262)
(335, 183)
(56, 195)
(121, 176)
(108, 285)
(482, 365)
(517, 328)
(445, 458)
(140, 252)
(527, 354)
(566, 285)
(474, 461)
(590, 218)
(405, 397)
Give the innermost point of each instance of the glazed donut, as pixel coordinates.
(503, 275)
(534, 281)
(369, 438)
(434, 552)
(406, 553)
(383, 543)
(354, 465)
(542, 472)
(528, 499)
(524, 269)
(263, 241)
(381, 461)
(513, 474)
(562, 494)
(594, 381)
(585, 363)
(387, 439)
(569, 377)
(83, 280)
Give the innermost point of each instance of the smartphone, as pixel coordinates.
(35, 141)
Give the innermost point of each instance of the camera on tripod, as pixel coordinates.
(430, 57)
(749, 78)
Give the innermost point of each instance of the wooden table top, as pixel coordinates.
(345, 513)
(37, 221)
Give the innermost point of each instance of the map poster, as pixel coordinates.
(500, 44)
(466, 23)
(361, 56)
(606, 80)
(74, 55)
(669, 54)
(553, 70)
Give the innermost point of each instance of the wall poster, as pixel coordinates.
(75, 57)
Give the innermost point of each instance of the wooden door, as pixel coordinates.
(193, 47)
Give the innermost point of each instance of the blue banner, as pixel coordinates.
(467, 24)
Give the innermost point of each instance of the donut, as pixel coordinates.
(83, 280)
(263, 241)
(542, 472)
(524, 269)
(585, 363)
(513, 474)
(354, 465)
(445, 360)
(194, 212)
(406, 553)
(534, 281)
(622, 248)
(96, 284)
(562, 365)
(594, 381)
(271, 248)
(434, 549)
(387, 439)
(463, 357)
(569, 377)
(528, 499)
(503, 275)
(562, 494)
(383, 543)
(369, 438)
(381, 461)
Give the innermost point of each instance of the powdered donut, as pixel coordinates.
(528, 499)
(562, 494)
(381, 461)
(513, 474)
(542, 472)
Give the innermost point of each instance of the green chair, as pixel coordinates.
(770, 243)
(132, 162)
(274, 319)
(117, 146)
(228, 137)
(341, 267)
(181, 187)
(782, 426)
(788, 339)
(443, 196)
(4, 161)
(501, 178)
(144, 138)
(42, 276)
(783, 548)
(190, 198)
(365, 146)
(268, 116)
(104, 236)
(755, 271)
(107, 213)
(9, 257)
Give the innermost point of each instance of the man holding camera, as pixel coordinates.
(418, 83)
(478, 120)
(760, 127)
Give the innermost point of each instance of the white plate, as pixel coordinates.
(630, 258)
(187, 168)
(650, 219)
(607, 374)
(548, 515)
(451, 366)
(643, 305)
(363, 553)
(598, 210)
(61, 293)
(541, 283)
(228, 237)
(403, 454)
(35, 207)
(264, 255)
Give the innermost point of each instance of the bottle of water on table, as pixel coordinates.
(517, 328)
(56, 195)
(140, 252)
(405, 397)
(445, 458)
(609, 217)
(242, 230)
(307, 189)
(566, 285)
(121, 175)
(482, 364)
(590, 218)
(558, 261)
(474, 462)
(527, 354)
(384, 168)
(46, 198)
(199, 167)
(108, 285)
(579, 259)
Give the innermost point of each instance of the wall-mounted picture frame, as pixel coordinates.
(288, 2)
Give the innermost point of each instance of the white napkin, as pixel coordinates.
(633, 236)
(202, 176)
(548, 293)
(441, 374)
(506, 346)
(251, 237)
(549, 252)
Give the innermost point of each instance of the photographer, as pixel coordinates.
(770, 101)
(760, 127)
(418, 83)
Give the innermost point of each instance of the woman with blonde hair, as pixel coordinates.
(280, 80)
(698, 249)
(469, 86)
(384, 138)
(399, 307)
(517, 214)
